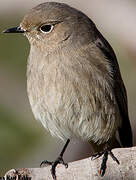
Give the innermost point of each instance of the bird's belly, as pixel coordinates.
(68, 111)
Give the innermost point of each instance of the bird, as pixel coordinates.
(74, 83)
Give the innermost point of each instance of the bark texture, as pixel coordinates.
(85, 169)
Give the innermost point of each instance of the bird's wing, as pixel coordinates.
(125, 132)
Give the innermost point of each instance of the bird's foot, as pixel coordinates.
(59, 160)
(54, 164)
(107, 151)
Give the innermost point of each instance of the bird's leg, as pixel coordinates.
(107, 151)
(59, 160)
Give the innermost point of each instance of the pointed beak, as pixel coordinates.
(17, 29)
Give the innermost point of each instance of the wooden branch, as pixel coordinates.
(85, 169)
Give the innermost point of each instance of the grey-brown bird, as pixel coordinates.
(74, 83)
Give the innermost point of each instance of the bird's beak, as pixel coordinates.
(17, 29)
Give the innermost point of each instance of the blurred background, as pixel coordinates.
(23, 140)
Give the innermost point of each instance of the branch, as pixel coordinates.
(85, 169)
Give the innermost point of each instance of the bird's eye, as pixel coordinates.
(46, 28)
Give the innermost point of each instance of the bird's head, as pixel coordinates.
(50, 24)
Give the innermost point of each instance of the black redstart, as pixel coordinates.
(74, 83)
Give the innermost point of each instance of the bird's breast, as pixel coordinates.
(69, 101)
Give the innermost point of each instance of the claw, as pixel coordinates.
(59, 160)
(105, 154)
(45, 163)
(66, 165)
(113, 157)
(54, 164)
(97, 155)
(103, 165)
(62, 162)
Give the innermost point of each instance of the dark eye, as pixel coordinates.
(46, 28)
